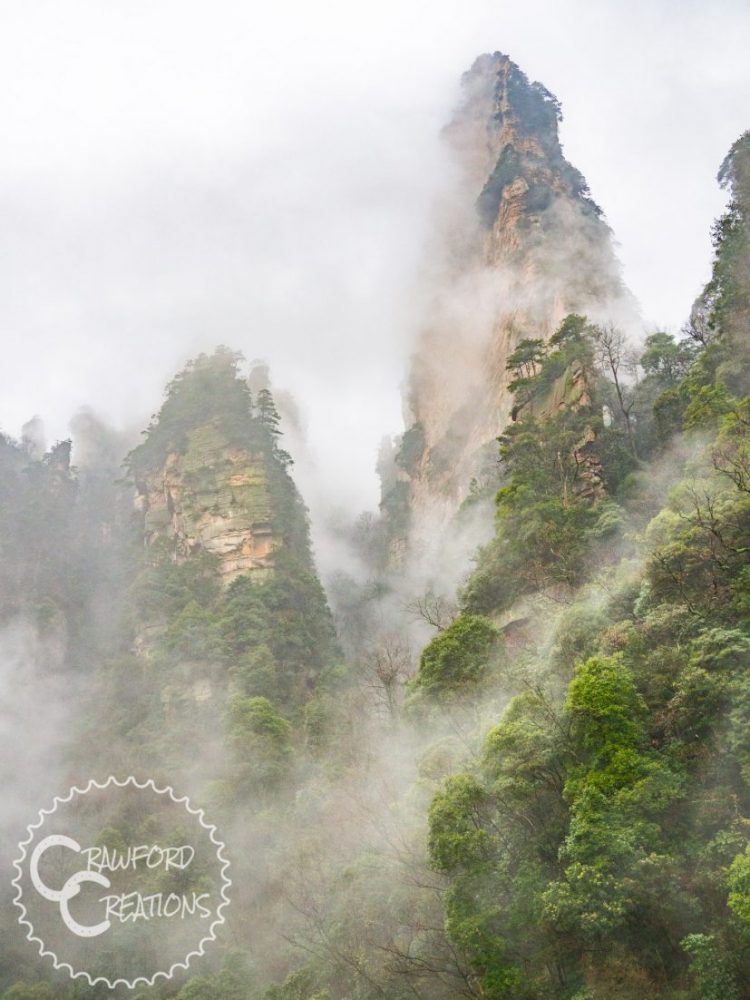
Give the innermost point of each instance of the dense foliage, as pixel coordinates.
(599, 848)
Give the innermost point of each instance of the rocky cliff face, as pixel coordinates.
(522, 245)
(214, 497)
(225, 537)
(211, 479)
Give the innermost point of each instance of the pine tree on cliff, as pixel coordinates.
(270, 421)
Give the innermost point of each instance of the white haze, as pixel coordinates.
(178, 174)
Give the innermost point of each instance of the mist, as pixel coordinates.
(266, 178)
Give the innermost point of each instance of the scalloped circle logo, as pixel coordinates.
(121, 882)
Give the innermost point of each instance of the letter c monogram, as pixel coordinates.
(71, 888)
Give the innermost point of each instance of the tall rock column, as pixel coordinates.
(520, 244)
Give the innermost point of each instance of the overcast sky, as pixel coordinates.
(177, 174)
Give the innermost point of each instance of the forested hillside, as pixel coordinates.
(598, 847)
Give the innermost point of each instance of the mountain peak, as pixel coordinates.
(210, 476)
(525, 245)
(505, 129)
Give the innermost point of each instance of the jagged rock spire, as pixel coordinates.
(521, 244)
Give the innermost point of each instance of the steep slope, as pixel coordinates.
(523, 245)
(212, 497)
(204, 474)
(599, 845)
(223, 599)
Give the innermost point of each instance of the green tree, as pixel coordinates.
(260, 742)
(458, 658)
